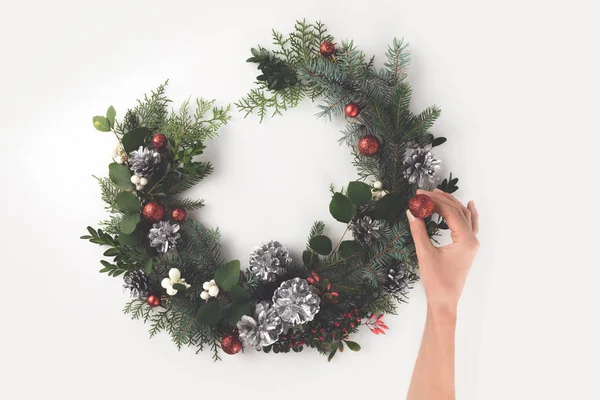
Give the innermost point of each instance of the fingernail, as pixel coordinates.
(409, 215)
(437, 190)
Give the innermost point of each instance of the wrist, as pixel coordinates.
(445, 313)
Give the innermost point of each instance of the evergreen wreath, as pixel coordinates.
(173, 266)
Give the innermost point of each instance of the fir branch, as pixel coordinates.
(186, 204)
(109, 192)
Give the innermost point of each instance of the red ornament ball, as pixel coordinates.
(153, 211)
(159, 141)
(231, 344)
(368, 145)
(153, 300)
(178, 215)
(351, 110)
(421, 206)
(327, 49)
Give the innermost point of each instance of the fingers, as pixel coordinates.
(447, 208)
(474, 216)
(464, 210)
(418, 231)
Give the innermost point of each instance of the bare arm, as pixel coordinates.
(443, 273)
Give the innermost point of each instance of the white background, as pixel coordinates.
(517, 82)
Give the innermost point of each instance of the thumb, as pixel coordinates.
(418, 231)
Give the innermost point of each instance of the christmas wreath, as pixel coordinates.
(172, 265)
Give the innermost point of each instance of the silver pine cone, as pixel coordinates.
(296, 302)
(164, 236)
(144, 162)
(365, 230)
(269, 260)
(399, 278)
(262, 330)
(420, 166)
(138, 283)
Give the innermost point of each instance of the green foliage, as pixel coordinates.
(278, 88)
(209, 313)
(321, 244)
(449, 185)
(128, 203)
(341, 208)
(228, 275)
(101, 123)
(119, 174)
(109, 192)
(111, 114)
(359, 193)
(186, 204)
(135, 138)
(129, 223)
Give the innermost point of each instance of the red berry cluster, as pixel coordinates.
(323, 286)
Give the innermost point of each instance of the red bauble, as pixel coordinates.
(178, 215)
(421, 206)
(368, 145)
(159, 141)
(153, 300)
(153, 211)
(351, 110)
(327, 49)
(231, 344)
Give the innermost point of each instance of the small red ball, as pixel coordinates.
(368, 145)
(159, 141)
(153, 211)
(421, 206)
(178, 215)
(153, 300)
(351, 110)
(327, 49)
(231, 344)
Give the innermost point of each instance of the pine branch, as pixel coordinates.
(186, 204)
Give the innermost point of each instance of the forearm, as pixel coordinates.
(433, 376)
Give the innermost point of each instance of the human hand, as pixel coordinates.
(444, 269)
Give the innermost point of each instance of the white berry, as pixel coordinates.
(174, 274)
(139, 187)
(135, 179)
(143, 181)
(166, 283)
(213, 291)
(171, 291)
(204, 295)
(206, 285)
(377, 185)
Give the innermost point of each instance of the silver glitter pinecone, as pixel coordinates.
(398, 278)
(365, 230)
(420, 166)
(296, 302)
(144, 161)
(138, 283)
(164, 236)
(262, 330)
(269, 260)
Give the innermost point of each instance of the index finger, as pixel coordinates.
(450, 212)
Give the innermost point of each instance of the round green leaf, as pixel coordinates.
(209, 313)
(227, 275)
(359, 193)
(237, 311)
(101, 123)
(321, 244)
(111, 113)
(128, 203)
(352, 345)
(388, 205)
(341, 208)
(135, 138)
(239, 294)
(349, 248)
(120, 175)
(132, 239)
(179, 287)
(129, 223)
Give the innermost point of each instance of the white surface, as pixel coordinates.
(517, 82)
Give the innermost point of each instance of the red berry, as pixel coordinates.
(336, 324)
(313, 331)
(310, 280)
(357, 320)
(352, 325)
(321, 338)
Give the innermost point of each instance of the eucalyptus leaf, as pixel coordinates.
(387, 206)
(306, 257)
(101, 123)
(239, 294)
(237, 311)
(359, 193)
(179, 287)
(135, 138)
(227, 275)
(148, 266)
(352, 345)
(209, 314)
(321, 244)
(132, 239)
(349, 248)
(120, 175)
(111, 113)
(128, 203)
(341, 208)
(129, 223)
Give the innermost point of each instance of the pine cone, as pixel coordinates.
(138, 283)
(144, 162)
(399, 278)
(365, 230)
(164, 236)
(420, 166)
(269, 260)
